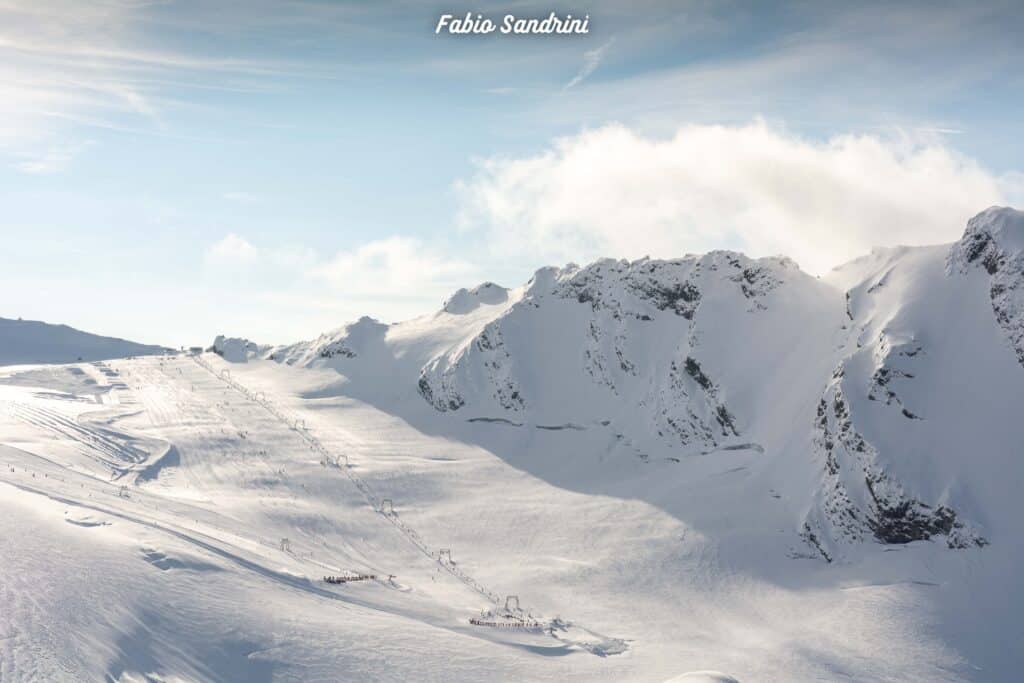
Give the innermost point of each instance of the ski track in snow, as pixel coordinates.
(186, 512)
(602, 646)
(167, 403)
(835, 501)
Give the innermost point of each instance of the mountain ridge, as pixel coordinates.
(34, 341)
(830, 377)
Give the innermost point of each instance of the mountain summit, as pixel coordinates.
(880, 397)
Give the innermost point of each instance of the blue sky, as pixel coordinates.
(173, 170)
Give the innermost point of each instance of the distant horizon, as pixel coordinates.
(469, 287)
(172, 170)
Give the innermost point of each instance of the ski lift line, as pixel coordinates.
(368, 495)
(365, 490)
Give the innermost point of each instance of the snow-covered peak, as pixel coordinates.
(236, 349)
(347, 342)
(364, 331)
(642, 288)
(994, 241)
(467, 300)
(994, 238)
(544, 279)
(675, 358)
(847, 275)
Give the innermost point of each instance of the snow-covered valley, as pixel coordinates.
(626, 471)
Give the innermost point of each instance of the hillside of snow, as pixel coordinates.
(673, 359)
(623, 471)
(29, 341)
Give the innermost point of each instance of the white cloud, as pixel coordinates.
(396, 266)
(612, 192)
(232, 251)
(393, 278)
(95, 64)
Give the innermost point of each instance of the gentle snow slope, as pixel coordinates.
(30, 341)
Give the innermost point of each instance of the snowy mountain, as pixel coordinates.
(236, 349)
(31, 341)
(874, 382)
(623, 471)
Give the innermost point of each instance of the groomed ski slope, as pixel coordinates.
(171, 567)
(707, 468)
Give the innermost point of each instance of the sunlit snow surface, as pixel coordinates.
(171, 519)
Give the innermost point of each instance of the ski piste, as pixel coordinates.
(558, 628)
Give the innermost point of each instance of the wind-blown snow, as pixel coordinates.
(706, 464)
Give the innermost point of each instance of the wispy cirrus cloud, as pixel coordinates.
(51, 160)
(112, 64)
(591, 60)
